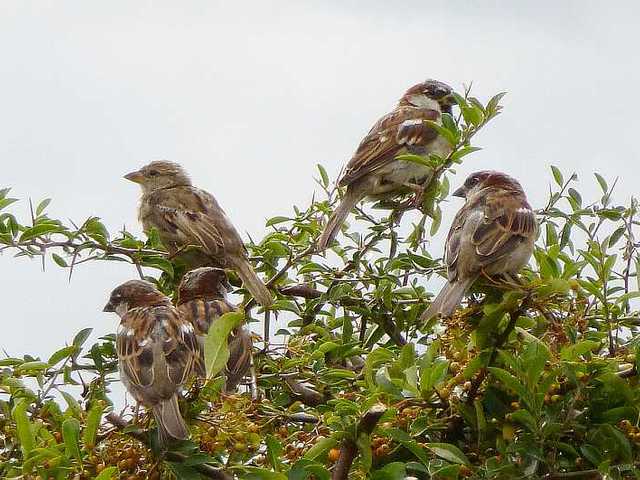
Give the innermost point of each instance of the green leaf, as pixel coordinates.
(448, 452)
(391, 471)
(94, 416)
(23, 426)
(96, 230)
(40, 230)
(573, 352)
(509, 381)
(602, 182)
(573, 193)
(616, 235)
(74, 406)
(216, 350)
(31, 367)
(447, 134)
(472, 115)
(417, 159)
(376, 358)
(274, 452)
(71, 437)
(627, 296)
(557, 175)
(62, 354)
(364, 447)
(159, 263)
(61, 262)
(276, 220)
(323, 175)
(320, 448)
(493, 106)
(257, 473)
(437, 219)
(5, 202)
(463, 152)
(42, 205)
(184, 472)
(107, 474)
(82, 337)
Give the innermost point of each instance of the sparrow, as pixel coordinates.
(186, 216)
(157, 350)
(493, 233)
(202, 300)
(374, 170)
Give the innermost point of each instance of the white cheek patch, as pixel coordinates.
(122, 308)
(165, 324)
(131, 332)
(186, 328)
(523, 210)
(144, 342)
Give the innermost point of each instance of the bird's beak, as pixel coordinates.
(135, 177)
(461, 192)
(109, 308)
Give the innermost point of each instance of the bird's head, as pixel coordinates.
(206, 283)
(431, 93)
(133, 294)
(484, 179)
(158, 175)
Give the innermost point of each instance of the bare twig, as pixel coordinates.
(349, 448)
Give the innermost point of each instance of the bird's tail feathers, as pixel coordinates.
(350, 199)
(252, 283)
(239, 361)
(171, 425)
(448, 299)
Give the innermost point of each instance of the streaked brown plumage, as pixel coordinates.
(157, 352)
(186, 216)
(202, 300)
(374, 170)
(494, 232)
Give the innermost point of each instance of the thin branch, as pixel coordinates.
(349, 448)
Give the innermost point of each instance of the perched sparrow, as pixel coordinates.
(374, 170)
(157, 352)
(493, 232)
(186, 216)
(202, 300)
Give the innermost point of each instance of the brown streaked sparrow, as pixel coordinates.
(186, 216)
(493, 233)
(157, 352)
(374, 171)
(202, 300)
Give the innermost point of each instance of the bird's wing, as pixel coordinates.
(195, 216)
(508, 220)
(403, 127)
(452, 247)
(157, 349)
(202, 313)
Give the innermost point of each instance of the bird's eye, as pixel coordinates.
(153, 173)
(472, 182)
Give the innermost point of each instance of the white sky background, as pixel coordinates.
(249, 96)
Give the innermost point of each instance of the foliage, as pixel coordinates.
(536, 380)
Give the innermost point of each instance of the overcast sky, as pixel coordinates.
(249, 96)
